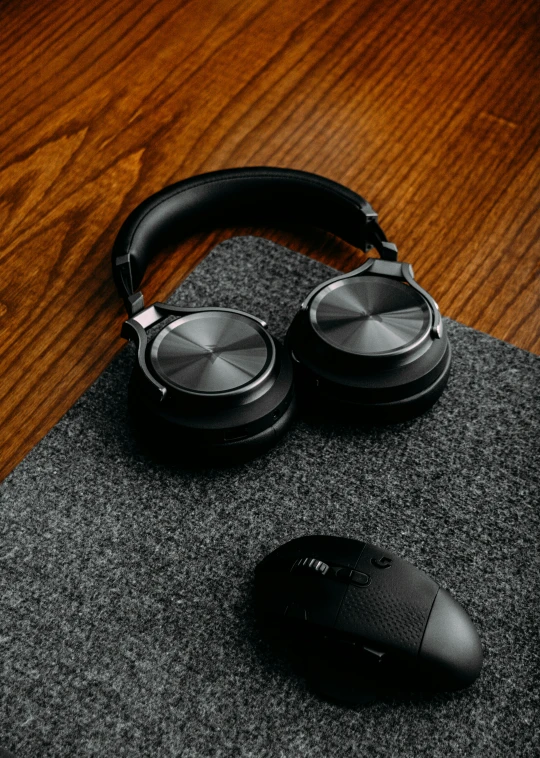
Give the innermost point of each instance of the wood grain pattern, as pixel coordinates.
(429, 109)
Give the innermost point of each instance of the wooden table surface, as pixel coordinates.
(430, 109)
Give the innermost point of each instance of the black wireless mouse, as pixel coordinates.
(360, 622)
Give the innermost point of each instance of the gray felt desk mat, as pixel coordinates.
(126, 623)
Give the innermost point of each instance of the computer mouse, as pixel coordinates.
(360, 622)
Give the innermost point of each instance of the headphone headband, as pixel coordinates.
(235, 195)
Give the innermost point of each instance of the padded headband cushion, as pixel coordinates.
(234, 196)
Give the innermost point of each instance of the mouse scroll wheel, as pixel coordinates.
(309, 566)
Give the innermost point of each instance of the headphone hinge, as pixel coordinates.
(375, 237)
(387, 268)
(369, 217)
(148, 316)
(134, 303)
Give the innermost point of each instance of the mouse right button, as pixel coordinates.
(450, 652)
(392, 607)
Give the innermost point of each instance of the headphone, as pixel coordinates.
(214, 384)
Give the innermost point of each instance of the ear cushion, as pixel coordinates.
(316, 397)
(168, 444)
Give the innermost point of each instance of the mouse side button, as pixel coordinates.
(451, 652)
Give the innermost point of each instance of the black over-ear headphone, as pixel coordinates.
(214, 382)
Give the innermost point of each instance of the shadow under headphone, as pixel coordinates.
(213, 383)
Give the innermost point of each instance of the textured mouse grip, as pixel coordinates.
(393, 610)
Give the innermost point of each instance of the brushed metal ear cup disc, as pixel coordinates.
(370, 315)
(213, 352)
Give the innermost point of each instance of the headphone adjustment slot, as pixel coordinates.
(134, 331)
(437, 326)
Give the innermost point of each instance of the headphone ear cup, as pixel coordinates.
(229, 390)
(364, 348)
